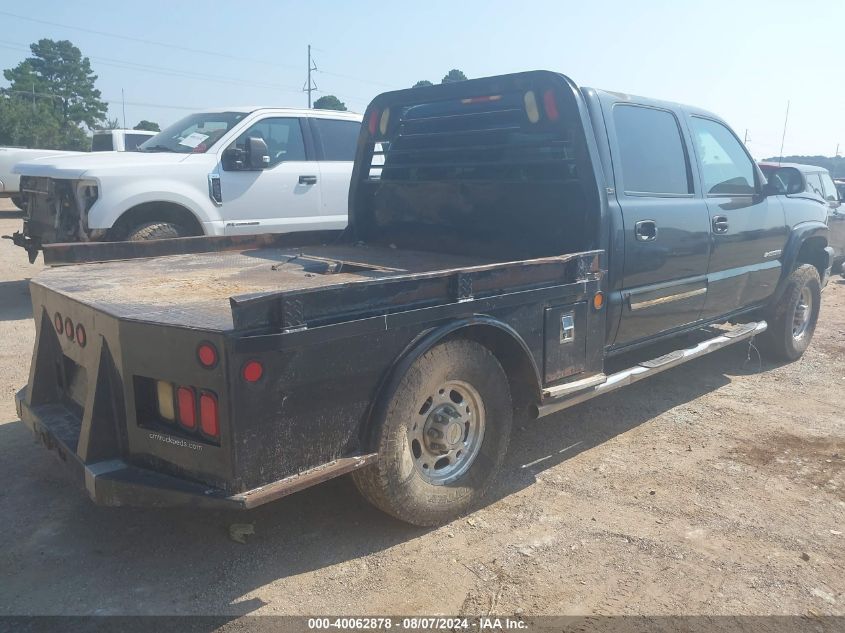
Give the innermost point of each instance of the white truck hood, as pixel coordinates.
(74, 167)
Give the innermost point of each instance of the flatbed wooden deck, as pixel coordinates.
(193, 290)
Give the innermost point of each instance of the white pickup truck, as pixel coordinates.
(101, 141)
(229, 172)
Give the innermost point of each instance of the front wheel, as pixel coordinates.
(792, 321)
(156, 231)
(443, 437)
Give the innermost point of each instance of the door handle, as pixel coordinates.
(308, 180)
(720, 224)
(645, 230)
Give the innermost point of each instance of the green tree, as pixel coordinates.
(422, 83)
(454, 75)
(111, 124)
(148, 126)
(58, 73)
(329, 102)
(27, 122)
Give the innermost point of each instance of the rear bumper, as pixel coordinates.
(114, 482)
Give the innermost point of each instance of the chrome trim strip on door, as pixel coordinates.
(639, 305)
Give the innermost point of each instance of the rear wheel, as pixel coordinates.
(792, 322)
(156, 231)
(444, 436)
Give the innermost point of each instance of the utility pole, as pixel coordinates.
(783, 138)
(309, 83)
(123, 99)
(745, 138)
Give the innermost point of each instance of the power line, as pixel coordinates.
(47, 95)
(365, 81)
(145, 41)
(161, 70)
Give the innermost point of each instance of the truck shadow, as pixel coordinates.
(182, 561)
(15, 302)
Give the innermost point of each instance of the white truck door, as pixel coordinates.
(336, 140)
(283, 197)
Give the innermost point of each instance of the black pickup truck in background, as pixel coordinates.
(507, 236)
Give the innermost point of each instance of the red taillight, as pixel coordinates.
(59, 322)
(208, 414)
(81, 336)
(69, 328)
(207, 355)
(372, 124)
(550, 105)
(187, 402)
(253, 371)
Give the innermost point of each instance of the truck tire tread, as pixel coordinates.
(392, 484)
(778, 341)
(155, 231)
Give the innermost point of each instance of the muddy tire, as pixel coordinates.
(792, 321)
(155, 231)
(443, 437)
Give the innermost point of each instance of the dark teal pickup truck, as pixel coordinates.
(507, 236)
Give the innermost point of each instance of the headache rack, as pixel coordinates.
(503, 136)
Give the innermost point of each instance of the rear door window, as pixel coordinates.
(830, 192)
(653, 157)
(102, 143)
(814, 185)
(337, 138)
(726, 167)
(134, 140)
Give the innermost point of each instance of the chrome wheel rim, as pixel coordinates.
(446, 433)
(803, 314)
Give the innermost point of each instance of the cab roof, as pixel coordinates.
(804, 169)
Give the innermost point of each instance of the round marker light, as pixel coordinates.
(81, 336)
(69, 328)
(207, 355)
(253, 371)
(59, 322)
(598, 300)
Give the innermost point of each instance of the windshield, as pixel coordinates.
(194, 134)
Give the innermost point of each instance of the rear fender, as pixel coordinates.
(505, 343)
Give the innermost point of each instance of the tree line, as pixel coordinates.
(52, 100)
(834, 164)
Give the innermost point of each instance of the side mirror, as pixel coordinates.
(233, 158)
(257, 154)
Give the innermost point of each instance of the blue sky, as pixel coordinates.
(742, 59)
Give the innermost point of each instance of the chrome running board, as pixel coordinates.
(559, 398)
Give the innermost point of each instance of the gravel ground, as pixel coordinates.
(714, 488)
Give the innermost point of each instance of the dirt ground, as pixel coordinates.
(715, 488)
